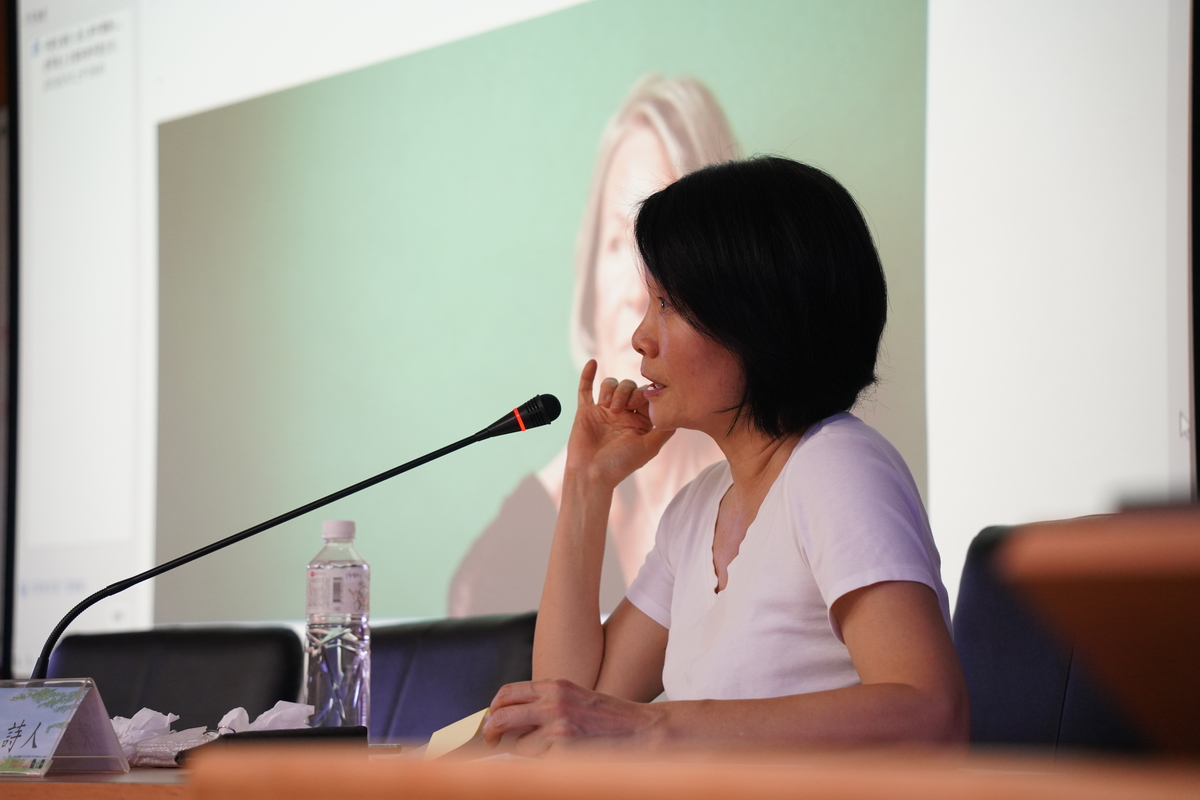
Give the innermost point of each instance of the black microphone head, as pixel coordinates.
(541, 410)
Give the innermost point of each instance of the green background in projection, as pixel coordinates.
(362, 269)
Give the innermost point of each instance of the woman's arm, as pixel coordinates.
(610, 438)
(912, 691)
(569, 641)
(912, 685)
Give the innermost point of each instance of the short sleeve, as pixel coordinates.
(651, 590)
(654, 587)
(860, 519)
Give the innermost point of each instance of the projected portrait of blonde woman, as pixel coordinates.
(666, 128)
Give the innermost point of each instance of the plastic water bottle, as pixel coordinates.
(338, 641)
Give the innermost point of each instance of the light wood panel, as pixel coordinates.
(296, 774)
(1126, 588)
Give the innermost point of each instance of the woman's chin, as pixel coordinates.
(662, 420)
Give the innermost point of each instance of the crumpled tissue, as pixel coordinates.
(148, 741)
(283, 716)
(143, 725)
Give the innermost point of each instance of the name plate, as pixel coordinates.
(56, 726)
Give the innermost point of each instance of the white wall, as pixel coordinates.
(1056, 261)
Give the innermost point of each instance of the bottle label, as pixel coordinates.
(346, 590)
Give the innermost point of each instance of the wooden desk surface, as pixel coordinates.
(138, 784)
(298, 773)
(280, 773)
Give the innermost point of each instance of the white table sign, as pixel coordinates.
(56, 726)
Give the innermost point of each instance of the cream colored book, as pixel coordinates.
(455, 735)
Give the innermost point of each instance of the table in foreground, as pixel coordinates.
(1126, 589)
(138, 784)
(267, 773)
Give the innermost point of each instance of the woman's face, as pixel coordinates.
(640, 166)
(692, 378)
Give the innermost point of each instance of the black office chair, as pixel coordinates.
(426, 675)
(197, 673)
(1026, 684)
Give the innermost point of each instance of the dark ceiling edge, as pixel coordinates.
(7, 585)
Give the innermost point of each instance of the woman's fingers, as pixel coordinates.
(617, 396)
(623, 397)
(638, 398)
(514, 694)
(606, 434)
(540, 716)
(512, 709)
(608, 388)
(534, 714)
(511, 719)
(586, 377)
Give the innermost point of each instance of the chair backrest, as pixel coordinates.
(197, 673)
(426, 675)
(1026, 684)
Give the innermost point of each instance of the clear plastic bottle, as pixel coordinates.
(338, 640)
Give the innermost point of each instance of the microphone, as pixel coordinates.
(541, 410)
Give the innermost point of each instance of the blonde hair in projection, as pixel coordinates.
(693, 128)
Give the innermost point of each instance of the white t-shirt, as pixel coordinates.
(844, 513)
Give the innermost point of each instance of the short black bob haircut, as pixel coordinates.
(772, 260)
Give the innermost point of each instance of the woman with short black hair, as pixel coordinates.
(772, 260)
(793, 594)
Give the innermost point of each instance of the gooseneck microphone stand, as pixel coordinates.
(541, 410)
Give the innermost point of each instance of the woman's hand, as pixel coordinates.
(612, 435)
(538, 716)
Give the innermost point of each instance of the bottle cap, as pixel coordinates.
(338, 530)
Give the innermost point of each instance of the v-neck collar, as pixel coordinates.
(708, 563)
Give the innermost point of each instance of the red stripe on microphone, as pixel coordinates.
(521, 422)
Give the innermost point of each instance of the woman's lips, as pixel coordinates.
(653, 389)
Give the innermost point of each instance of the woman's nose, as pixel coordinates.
(643, 339)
